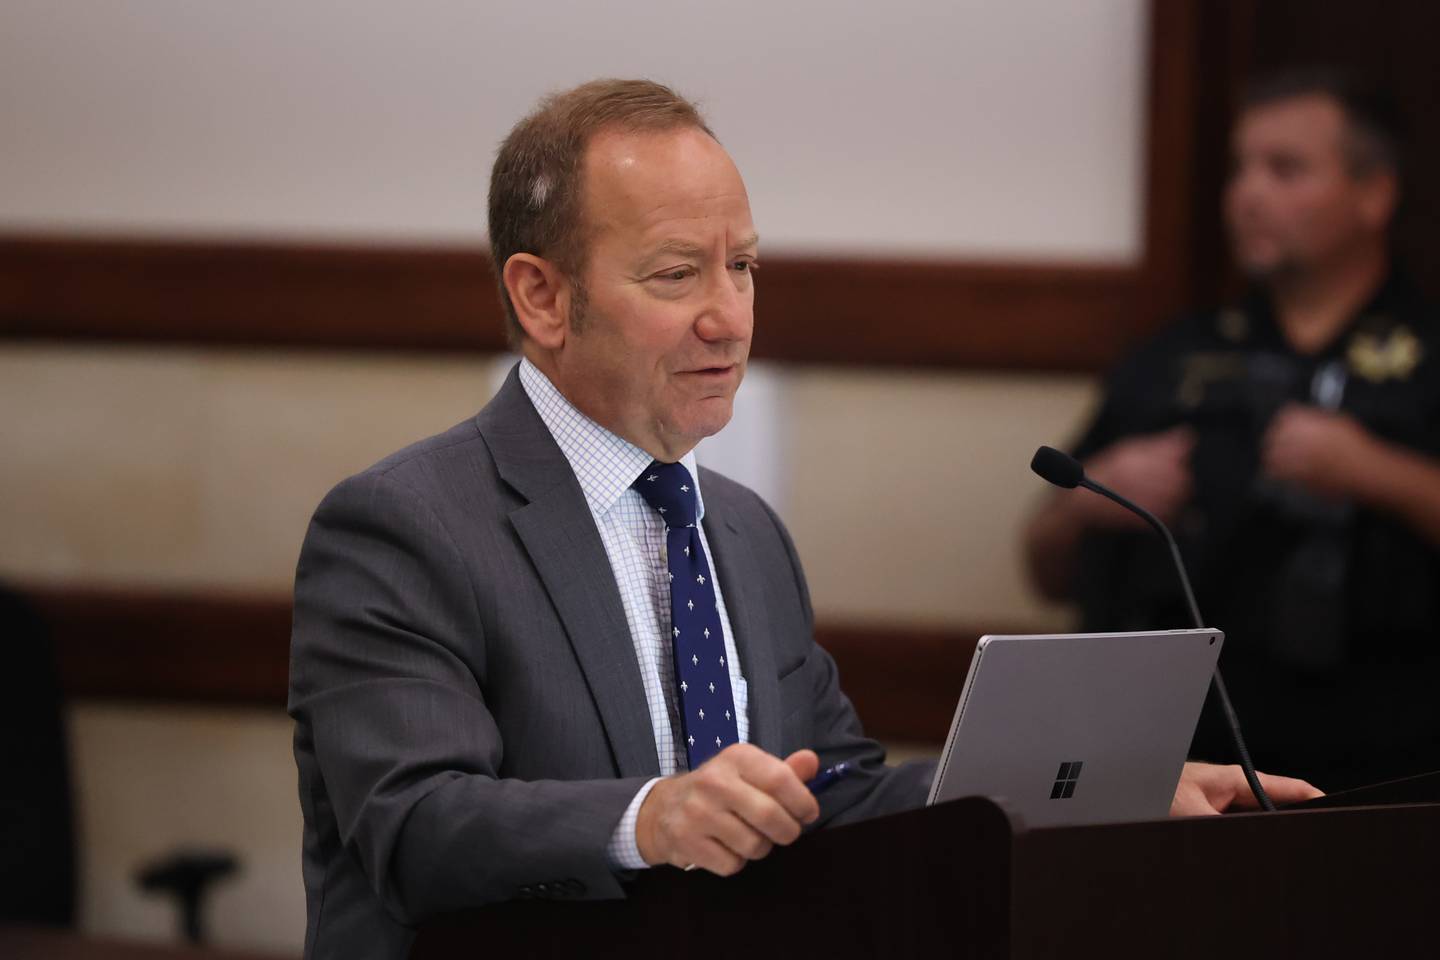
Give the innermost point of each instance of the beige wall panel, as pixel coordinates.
(193, 468)
(100, 463)
(905, 491)
(284, 430)
(149, 779)
(909, 491)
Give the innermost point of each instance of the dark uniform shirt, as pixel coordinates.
(1331, 610)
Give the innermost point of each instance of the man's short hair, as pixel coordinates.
(536, 202)
(1375, 130)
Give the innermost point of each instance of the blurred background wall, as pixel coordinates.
(967, 209)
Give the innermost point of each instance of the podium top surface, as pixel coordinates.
(1423, 788)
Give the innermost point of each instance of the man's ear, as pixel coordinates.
(541, 296)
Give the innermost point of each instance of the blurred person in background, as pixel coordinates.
(1293, 443)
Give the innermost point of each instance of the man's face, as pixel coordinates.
(668, 305)
(1293, 202)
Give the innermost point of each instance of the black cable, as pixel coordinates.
(1217, 682)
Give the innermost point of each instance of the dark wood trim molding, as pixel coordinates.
(1045, 317)
(114, 644)
(1169, 152)
(1050, 316)
(904, 681)
(269, 294)
(827, 311)
(1055, 317)
(149, 645)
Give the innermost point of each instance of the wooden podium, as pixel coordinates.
(964, 880)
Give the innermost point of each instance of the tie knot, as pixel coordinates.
(669, 488)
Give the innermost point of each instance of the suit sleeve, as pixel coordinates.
(874, 789)
(391, 717)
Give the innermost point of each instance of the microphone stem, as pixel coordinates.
(1217, 683)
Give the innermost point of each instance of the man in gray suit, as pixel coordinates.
(492, 694)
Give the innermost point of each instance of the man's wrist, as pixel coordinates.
(623, 851)
(645, 828)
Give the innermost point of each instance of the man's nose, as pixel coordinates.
(728, 312)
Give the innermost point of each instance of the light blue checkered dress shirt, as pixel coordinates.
(634, 538)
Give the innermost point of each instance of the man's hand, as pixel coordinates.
(1152, 470)
(1321, 451)
(736, 807)
(1207, 788)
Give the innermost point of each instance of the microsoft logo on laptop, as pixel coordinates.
(1065, 781)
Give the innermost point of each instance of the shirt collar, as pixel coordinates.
(1393, 298)
(604, 464)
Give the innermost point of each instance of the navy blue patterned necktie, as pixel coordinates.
(702, 677)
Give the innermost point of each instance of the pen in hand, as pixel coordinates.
(828, 778)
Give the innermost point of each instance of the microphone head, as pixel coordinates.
(1058, 468)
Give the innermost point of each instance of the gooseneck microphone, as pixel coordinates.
(1065, 471)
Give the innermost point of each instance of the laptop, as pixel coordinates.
(1078, 728)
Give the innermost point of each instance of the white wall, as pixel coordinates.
(968, 127)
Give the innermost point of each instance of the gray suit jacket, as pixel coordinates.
(470, 723)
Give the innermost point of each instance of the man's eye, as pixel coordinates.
(679, 273)
(1286, 167)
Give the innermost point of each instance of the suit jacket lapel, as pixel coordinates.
(560, 536)
(735, 566)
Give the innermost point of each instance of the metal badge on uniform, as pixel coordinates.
(1377, 358)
